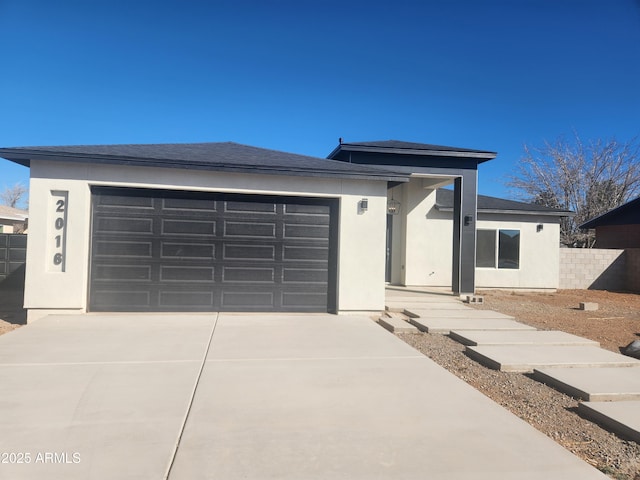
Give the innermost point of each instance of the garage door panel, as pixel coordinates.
(138, 273)
(189, 205)
(210, 252)
(249, 252)
(186, 274)
(117, 249)
(187, 300)
(299, 300)
(311, 209)
(250, 207)
(306, 231)
(240, 300)
(248, 274)
(118, 300)
(249, 229)
(120, 225)
(186, 250)
(187, 227)
(309, 254)
(305, 275)
(128, 202)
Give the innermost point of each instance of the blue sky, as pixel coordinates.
(296, 75)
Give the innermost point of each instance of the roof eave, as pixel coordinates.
(25, 157)
(495, 211)
(604, 218)
(483, 156)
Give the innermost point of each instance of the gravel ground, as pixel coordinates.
(615, 324)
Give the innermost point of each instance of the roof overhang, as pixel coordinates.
(479, 155)
(323, 168)
(537, 213)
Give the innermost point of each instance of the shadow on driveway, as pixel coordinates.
(12, 298)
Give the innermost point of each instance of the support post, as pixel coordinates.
(464, 233)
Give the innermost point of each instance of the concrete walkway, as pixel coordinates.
(252, 397)
(571, 364)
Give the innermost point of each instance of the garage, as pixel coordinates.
(162, 250)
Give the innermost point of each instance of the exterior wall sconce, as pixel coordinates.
(539, 227)
(393, 207)
(363, 205)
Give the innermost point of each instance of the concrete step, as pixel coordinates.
(622, 418)
(593, 384)
(526, 358)
(446, 325)
(465, 312)
(411, 305)
(521, 337)
(396, 324)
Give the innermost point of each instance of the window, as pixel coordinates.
(498, 249)
(486, 249)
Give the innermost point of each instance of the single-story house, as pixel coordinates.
(13, 220)
(229, 227)
(617, 228)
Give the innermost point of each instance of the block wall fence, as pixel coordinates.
(600, 269)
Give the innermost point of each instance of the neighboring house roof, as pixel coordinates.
(411, 148)
(220, 156)
(486, 204)
(627, 214)
(14, 214)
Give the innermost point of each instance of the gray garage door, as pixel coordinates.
(156, 250)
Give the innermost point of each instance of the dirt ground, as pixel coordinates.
(615, 324)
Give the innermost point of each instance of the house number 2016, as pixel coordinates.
(60, 204)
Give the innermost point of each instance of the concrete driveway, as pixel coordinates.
(189, 396)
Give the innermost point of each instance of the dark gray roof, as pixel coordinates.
(220, 156)
(486, 204)
(412, 148)
(627, 214)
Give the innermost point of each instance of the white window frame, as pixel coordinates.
(496, 253)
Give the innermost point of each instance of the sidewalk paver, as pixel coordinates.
(397, 325)
(525, 358)
(400, 305)
(464, 313)
(622, 418)
(593, 384)
(518, 337)
(445, 325)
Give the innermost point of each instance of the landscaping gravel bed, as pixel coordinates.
(548, 410)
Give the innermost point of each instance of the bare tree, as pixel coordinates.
(586, 178)
(11, 196)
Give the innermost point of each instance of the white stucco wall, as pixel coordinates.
(539, 253)
(425, 258)
(421, 238)
(361, 242)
